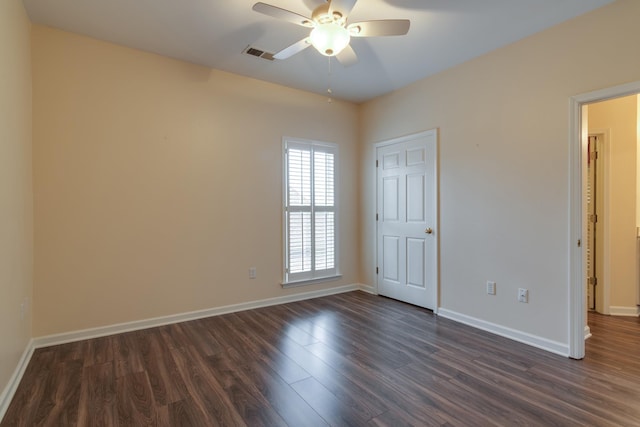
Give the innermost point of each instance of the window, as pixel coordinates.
(310, 211)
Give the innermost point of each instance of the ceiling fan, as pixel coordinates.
(330, 34)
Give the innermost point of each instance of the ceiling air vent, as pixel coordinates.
(258, 53)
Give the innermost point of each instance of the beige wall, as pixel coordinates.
(619, 116)
(638, 169)
(158, 183)
(16, 195)
(504, 164)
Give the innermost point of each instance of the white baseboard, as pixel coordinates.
(368, 289)
(587, 332)
(12, 386)
(624, 311)
(523, 337)
(66, 337)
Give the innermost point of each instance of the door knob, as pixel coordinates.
(428, 231)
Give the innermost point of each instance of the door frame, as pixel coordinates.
(578, 133)
(431, 132)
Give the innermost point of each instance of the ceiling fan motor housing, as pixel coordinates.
(321, 16)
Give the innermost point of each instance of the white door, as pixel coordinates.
(407, 235)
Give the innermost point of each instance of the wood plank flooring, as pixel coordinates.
(352, 359)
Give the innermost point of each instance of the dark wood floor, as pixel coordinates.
(350, 359)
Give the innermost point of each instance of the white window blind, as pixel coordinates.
(310, 210)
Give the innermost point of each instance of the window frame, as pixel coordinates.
(312, 276)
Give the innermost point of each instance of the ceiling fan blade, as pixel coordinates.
(343, 7)
(347, 57)
(297, 47)
(284, 14)
(385, 27)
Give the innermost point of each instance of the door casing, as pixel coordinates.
(578, 134)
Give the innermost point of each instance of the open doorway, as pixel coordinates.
(612, 214)
(604, 223)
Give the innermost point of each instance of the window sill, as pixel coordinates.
(296, 283)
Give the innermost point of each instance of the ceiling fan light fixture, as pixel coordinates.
(329, 39)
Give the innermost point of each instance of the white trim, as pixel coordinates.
(298, 283)
(587, 332)
(10, 390)
(624, 311)
(577, 275)
(369, 289)
(523, 337)
(135, 325)
(577, 309)
(406, 138)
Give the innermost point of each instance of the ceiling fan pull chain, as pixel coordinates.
(329, 92)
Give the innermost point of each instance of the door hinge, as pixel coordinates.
(593, 218)
(376, 163)
(594, 155)
(376, 217)
(376, 270)
(579, 243)
(592, 281)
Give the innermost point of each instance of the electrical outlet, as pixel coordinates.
(523, 295)
(252, 273)
(491, 288)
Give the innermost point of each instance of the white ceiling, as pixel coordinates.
(214, 33)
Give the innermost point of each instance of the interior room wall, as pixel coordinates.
(638, 165)
(619, 116)
(158, 183)
(503, 121)
(16, 194)
(638, 204)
